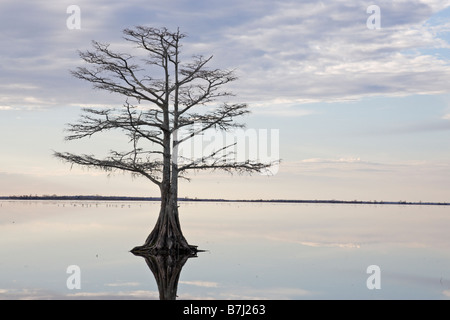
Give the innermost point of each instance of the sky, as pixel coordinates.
(360, 98)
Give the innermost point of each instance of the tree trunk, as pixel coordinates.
(166, 237)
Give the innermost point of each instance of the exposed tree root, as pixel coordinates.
(145, 250)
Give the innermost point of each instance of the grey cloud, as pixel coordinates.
(330, 54)
(427, 126)
(45, 294)
(307, 50)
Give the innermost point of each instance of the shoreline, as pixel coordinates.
(128, 198)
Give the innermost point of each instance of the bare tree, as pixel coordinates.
(167, 94)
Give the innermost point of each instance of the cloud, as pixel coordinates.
(43, 294)
(280, 108)
(426, 126)
(331, 245)
(340, 160)
(292, 53)
(137, 294)
(342, 166)
(296, 51)
(205, 284)
(356, 165)
(317, 244)
(276, 293)
(123, 284)
(446, 294)
(28, 294)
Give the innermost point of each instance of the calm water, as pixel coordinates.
(254, 251)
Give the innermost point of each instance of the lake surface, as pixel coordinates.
(254, 250)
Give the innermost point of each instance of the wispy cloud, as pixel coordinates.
(137, 294)
(290, 52)
(205, 284)
(317, 244)
(356, 165)
(280, 108)
(123, 284)
(296, 51)
(425, 126)
(277, 293)
(28, 294)
(339, 160)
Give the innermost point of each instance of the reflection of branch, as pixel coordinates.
(166, 269)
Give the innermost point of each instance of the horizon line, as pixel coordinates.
(196, 199)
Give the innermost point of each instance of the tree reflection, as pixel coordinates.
(166, 269)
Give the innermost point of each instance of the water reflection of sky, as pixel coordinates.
(254, 251)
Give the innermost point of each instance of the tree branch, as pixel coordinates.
(110, 164)
(221, 118)
(172, 95)
(117, 65)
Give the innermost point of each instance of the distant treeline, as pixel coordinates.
(127, 198)
(80, 198)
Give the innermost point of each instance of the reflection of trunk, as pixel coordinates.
(167, 270)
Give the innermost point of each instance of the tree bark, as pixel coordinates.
(167, 236)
